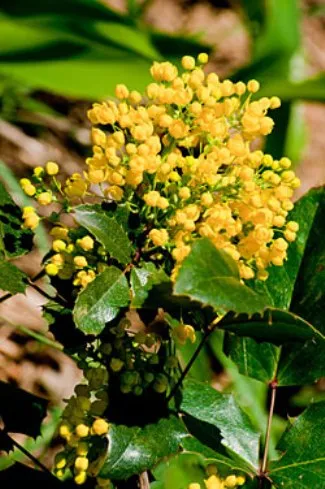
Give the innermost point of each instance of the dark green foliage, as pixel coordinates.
(14, 241)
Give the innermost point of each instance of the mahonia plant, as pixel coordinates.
(172, 166)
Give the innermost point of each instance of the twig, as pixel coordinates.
(29, 455)
(273, 386)
(144, 480)
(207, 333)
(5, 297)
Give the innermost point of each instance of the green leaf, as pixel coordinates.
(142, 280)
(204, 403)
(201, 369)
(303, 462)
(12, 279)
(135, 449)
(308, 301)
(89, 9)
(211, 276)
(256, 360)
(101, 301)
(274, 325)
(14, 241)
(179, 471)
(21, 411)
(106, 230)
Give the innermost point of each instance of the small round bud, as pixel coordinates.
(82, 431)
(81, 464)
(203, 58)
(80, 478)
(45, 198)
(58, 245)
(80, 261)
(188, 62)
(52, 168)
(253, 86)
(100, 427)
(51, 269)
(38, 171)
(86, 243)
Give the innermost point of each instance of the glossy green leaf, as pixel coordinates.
(256, 360)
(106, 230)
(17, 406)
(273, 325)
(211, 276)
(309, 302)
(135, 449)
(225, 464)
(101, 301)
(14, 241)
(142, 280)
(302, 464)
(201, 369)
(12, 279)
(205, 404)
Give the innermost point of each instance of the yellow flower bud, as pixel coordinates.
(29, 190)
(86, 243)
(253, 86)
(80, 478)
(81, 464)
(52, 168)
(203, 58)
(58, 245)
(51, 269)
(82, 430)
(24, 181)
(231, 481)
(38, 171)
(159, 237)
(275, 102)
(121, 91)
(80, 261)
(100, 427)
(31, 221)
(45, 198)
(188, 63)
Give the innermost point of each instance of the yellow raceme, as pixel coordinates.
(183, 157)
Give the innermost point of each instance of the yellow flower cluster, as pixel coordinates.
(185, 150)
(215, 482)
(81, 424)
(182, 158)
(78, 259)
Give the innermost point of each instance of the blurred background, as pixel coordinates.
(58, 56)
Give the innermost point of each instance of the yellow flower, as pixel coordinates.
(159, 237)
(100, 427)
(51, 168)
(86, 243)
(45, 198)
